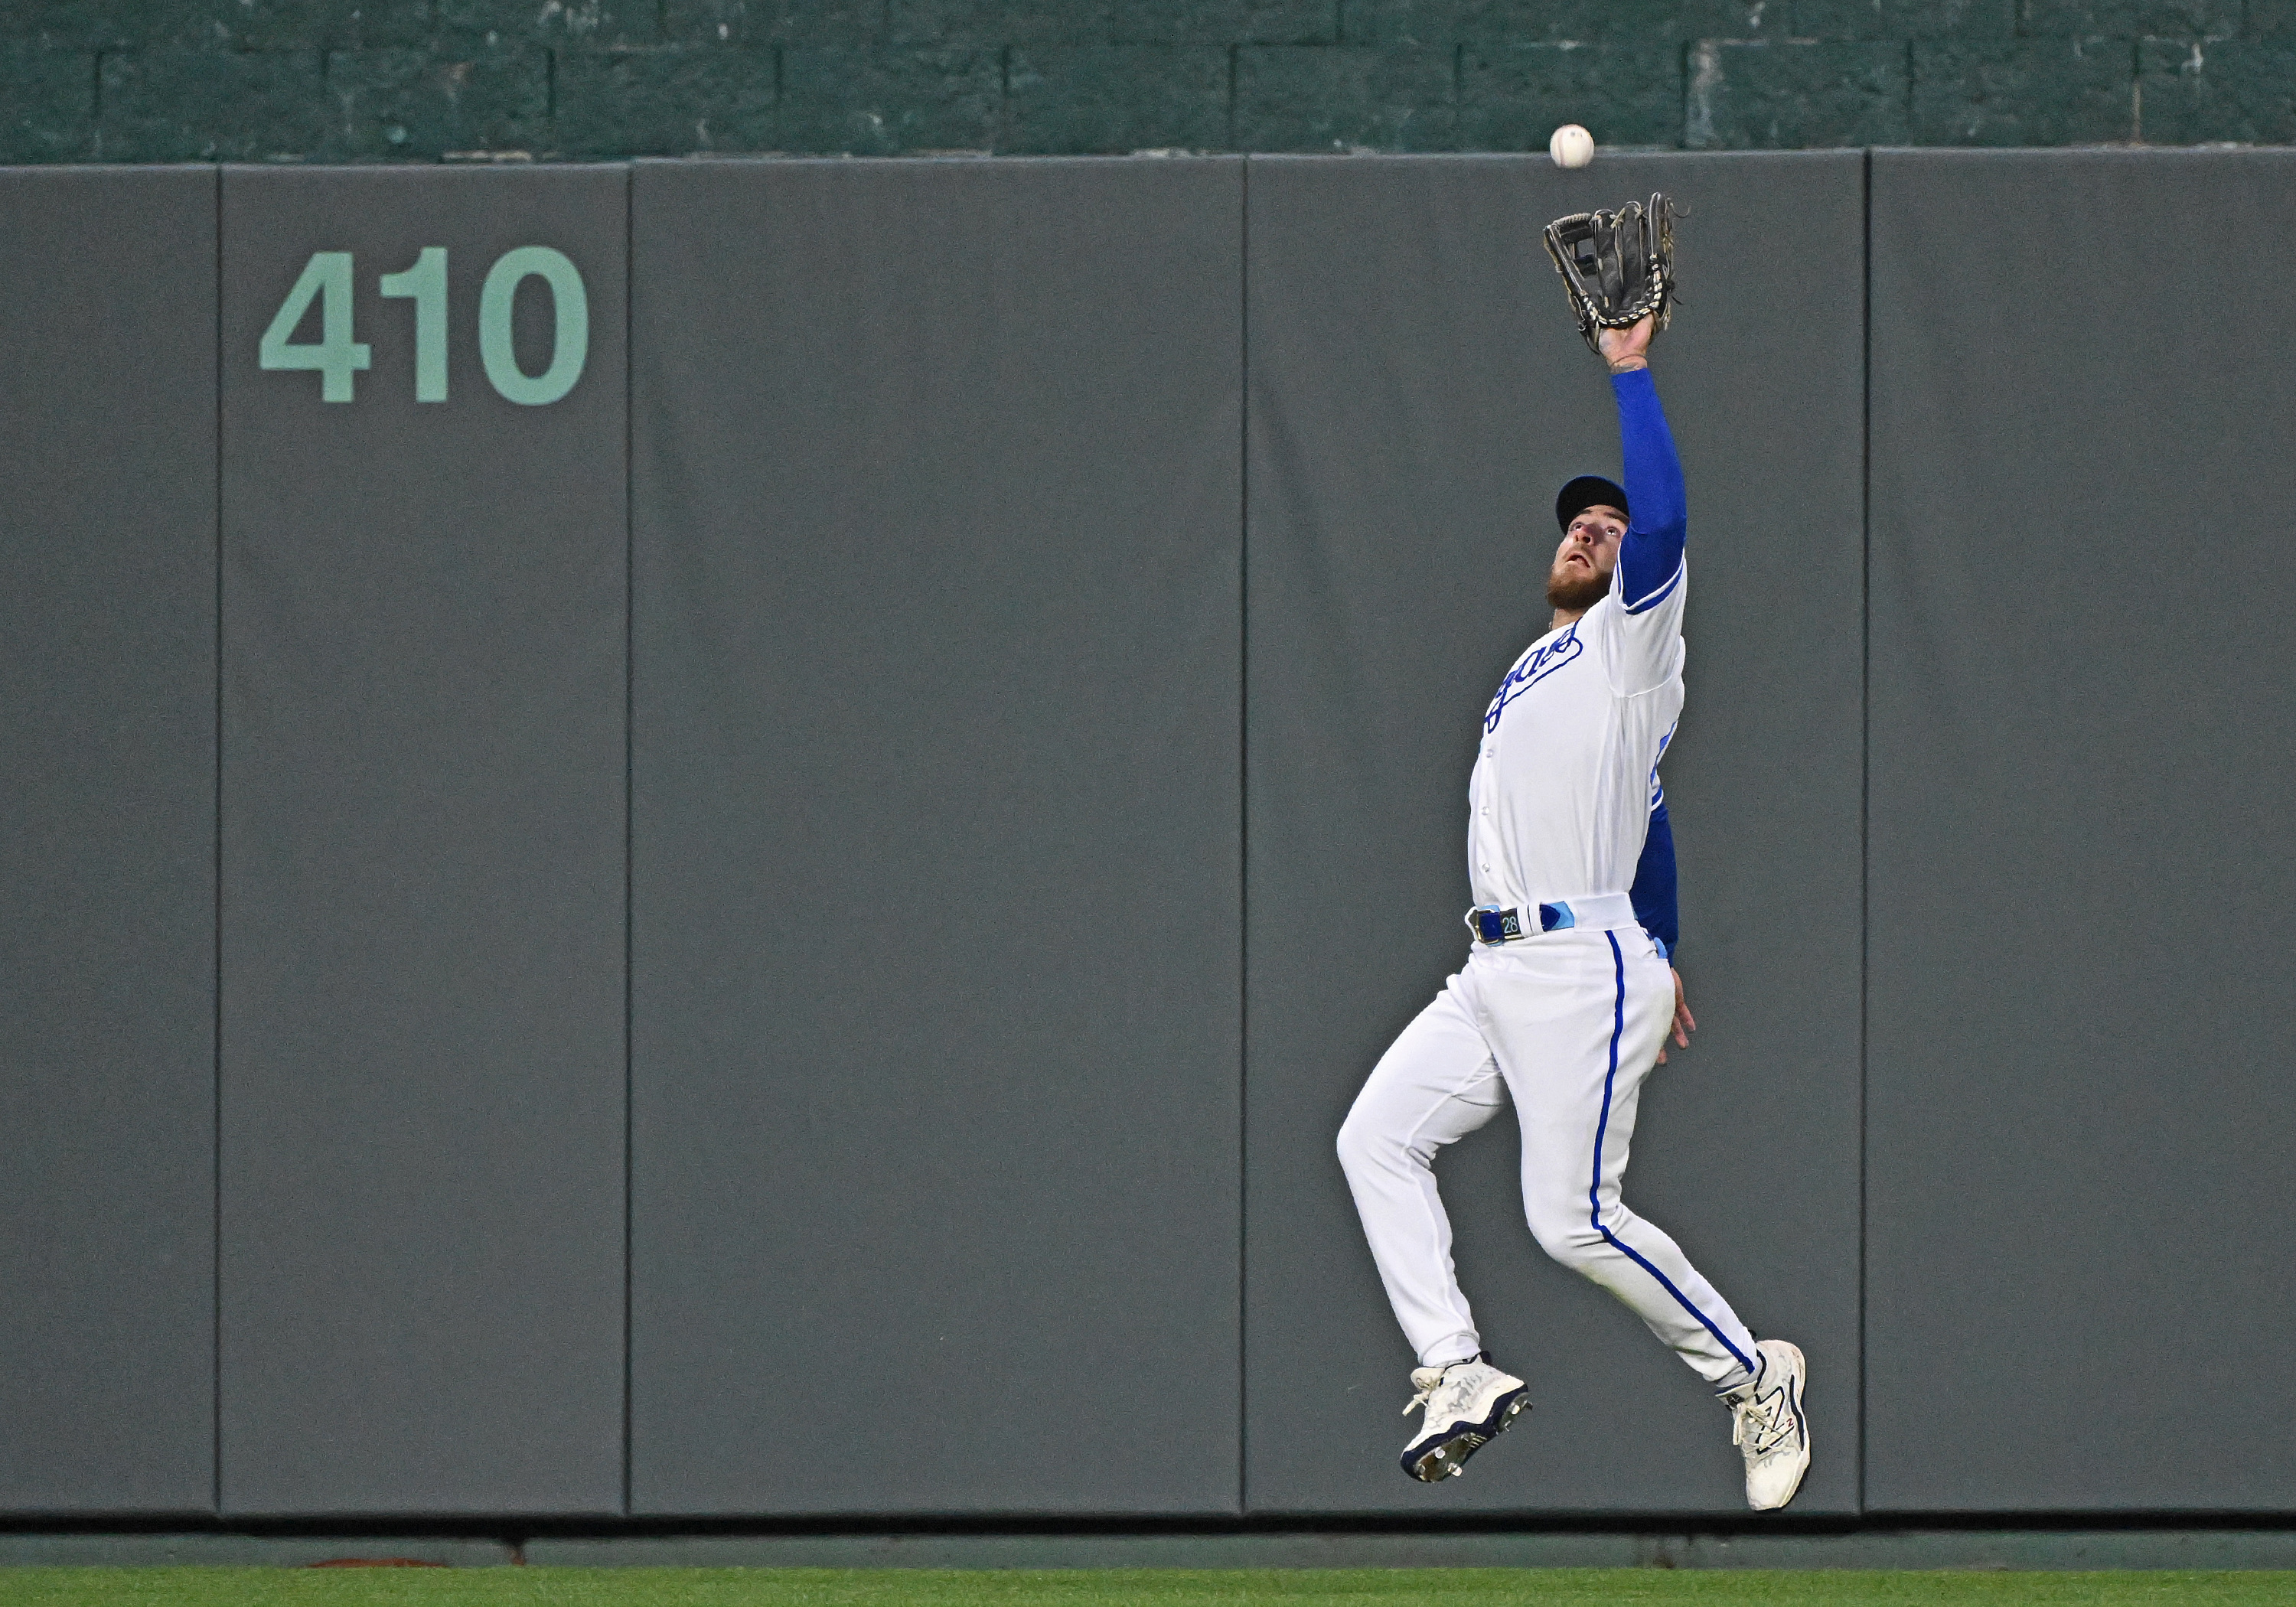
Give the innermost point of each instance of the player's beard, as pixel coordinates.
(1575, 593)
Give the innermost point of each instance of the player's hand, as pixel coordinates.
(1685, 1023)
(1627, 349)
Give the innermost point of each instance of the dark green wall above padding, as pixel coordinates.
(419, 80)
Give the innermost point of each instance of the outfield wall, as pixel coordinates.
(752, 883)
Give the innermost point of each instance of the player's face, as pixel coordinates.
(1583, 563)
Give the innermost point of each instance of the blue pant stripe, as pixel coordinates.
(1595, 1189)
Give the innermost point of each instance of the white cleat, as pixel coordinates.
(1468, 1404)
(1770, 1430)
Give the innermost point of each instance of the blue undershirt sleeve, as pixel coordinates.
(1652, 893)
(1650, 557)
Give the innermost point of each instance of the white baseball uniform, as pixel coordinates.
(1568, 1021)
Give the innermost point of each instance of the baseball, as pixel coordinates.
(1571, 146)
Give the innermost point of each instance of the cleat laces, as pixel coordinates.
(1763, 1425)
(1426, 1381)
(1444, 1402)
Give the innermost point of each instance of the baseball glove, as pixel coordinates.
(1617, 267)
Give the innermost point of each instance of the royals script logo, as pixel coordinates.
(1536, 668)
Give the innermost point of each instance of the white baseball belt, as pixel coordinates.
(1494, 925)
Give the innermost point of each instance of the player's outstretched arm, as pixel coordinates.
(1650, 556)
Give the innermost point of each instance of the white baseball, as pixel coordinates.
(1571, 146)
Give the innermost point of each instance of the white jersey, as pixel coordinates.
(1567, 775)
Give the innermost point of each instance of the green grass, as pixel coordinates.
(1149, 1587)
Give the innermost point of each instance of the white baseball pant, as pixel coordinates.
(1566, 1024)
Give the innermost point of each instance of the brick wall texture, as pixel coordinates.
(425, 80)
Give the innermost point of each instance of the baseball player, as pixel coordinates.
(1566, 998)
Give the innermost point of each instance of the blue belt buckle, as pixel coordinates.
(1492, 925)
(1556, 917)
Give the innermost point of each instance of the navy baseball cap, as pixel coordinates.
(1588, 491)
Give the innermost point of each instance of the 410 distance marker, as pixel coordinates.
(337, 356)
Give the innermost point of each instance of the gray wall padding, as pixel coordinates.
(424, 767)
(936, 962)
(2081, 1222)
(107, 840)
(954, 1181)
(1417, 395)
